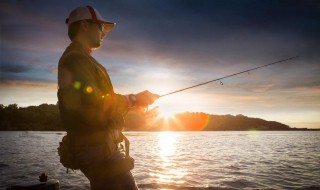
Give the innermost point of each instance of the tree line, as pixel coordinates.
(45, 117)
(191, 121)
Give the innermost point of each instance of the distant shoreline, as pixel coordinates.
(58, 131)
(46, 117)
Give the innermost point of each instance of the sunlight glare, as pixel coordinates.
(253, 133)
(166, 113)
(167, 144)
(170, 171)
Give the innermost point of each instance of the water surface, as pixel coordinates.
(191, 160)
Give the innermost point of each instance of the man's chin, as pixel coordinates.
(96, 46)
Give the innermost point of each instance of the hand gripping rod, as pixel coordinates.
(218, 79)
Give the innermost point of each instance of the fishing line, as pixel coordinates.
(219, 79)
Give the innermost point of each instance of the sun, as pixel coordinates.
(166, 114)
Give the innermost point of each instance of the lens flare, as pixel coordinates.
(77, 85)
(89, 89)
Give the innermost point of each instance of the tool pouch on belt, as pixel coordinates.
(110, 167)
(67, 153)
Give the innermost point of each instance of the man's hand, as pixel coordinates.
(145, 98)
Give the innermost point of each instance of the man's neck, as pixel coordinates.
(84, 45)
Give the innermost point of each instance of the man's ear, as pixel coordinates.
(84, 25)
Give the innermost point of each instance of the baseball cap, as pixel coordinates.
(89, 13)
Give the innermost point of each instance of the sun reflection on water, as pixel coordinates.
(253, 133)
(169, 170)
(166, 143)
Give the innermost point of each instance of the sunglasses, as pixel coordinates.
(100, 25)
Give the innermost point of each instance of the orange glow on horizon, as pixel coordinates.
(194, 122)
(167, 120)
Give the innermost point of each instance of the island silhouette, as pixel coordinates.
(45, 117)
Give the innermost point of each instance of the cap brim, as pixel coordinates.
(108, 26)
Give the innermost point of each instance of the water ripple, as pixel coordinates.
(203, 160)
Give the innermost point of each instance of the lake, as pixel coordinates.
(190, 160)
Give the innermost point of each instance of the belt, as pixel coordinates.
(96, 139)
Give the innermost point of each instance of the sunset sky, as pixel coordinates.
(165, 45)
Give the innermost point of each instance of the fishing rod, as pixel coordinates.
(219, 79)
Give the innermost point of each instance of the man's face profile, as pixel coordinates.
(95, 34)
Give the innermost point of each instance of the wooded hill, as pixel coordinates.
(46, 118)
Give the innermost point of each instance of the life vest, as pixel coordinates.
(84, 89)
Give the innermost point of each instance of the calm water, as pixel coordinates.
(203, 160)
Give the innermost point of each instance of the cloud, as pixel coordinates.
(257, 88)
(171, 44)
(191, 36)
(25, 27)
(25, 84)
(53, 69)
(13, 68)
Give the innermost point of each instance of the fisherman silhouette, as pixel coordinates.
(91, 112)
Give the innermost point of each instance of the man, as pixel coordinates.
(91, 111)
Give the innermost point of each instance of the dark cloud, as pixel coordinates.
(13, 69)
(191, 21)
(213, 35)
(199, 38)
(164, 45)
